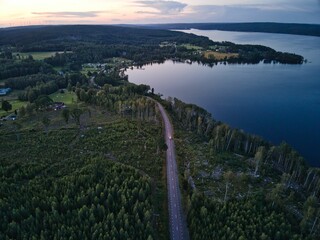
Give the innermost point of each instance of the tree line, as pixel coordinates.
(20, 83)
(10, 68)
(250, 218)
(297, 177)
(221, 137)
(51, 192)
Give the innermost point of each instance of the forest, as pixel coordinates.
(83, 44)
(77, 204)
(63, 37)
(10, 68)
(228, 168)
(251, 218)
(94, 169)
(58, 184)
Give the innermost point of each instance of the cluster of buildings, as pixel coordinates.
(94, 65)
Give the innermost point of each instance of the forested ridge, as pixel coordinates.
(267, 27)
(95, 43)
(63, 36)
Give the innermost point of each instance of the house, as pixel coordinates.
(58, 105)
(5, 91)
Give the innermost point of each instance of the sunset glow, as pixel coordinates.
(35, 12)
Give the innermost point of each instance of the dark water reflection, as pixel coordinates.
(278, 102)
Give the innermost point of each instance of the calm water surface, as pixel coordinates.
(278, 102)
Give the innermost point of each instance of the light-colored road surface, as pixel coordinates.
(177, 222)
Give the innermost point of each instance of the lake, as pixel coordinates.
(277, 102)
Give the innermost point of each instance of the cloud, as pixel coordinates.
(251, 7)
(88, 14)
(280, 7)
(148, 12)
(162, 7)
(255, 13)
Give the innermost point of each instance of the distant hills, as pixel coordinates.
(285, 28)
(66, 35)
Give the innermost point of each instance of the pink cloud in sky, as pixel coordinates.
(31, 12)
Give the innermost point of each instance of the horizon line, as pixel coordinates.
(148, 24)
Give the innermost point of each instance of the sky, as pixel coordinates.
(39, 12)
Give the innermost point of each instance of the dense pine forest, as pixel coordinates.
(82, 153)
(66, 184)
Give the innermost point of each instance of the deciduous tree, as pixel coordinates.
(5, 105)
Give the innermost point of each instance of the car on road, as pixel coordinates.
(170, 137)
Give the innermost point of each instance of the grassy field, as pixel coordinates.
(69, 98)
(36, 55)
(16, 104)
(85, 70)
(58, 69)
(191, 47)
(219, 56)
(118, 62)
(66, 97)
